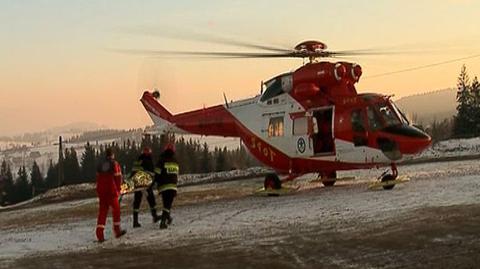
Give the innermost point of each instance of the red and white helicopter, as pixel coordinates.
(311, 120)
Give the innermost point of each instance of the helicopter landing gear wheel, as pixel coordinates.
(387, 178)
(329, 178)
(390, 177)
(272, 181)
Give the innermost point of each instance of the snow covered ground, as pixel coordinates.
(250, 221)
(452, 148)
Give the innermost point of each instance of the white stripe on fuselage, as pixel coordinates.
(255, 116)
(162, 126)
(347, 152)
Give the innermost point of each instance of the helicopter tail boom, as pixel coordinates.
(214, 120)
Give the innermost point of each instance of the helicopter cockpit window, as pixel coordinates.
(357, 121)
(274, 88)
(373, 119)
(389, 116)
(275, 127)
(277, 86)
(402, 116)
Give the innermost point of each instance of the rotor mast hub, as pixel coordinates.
(311, 49)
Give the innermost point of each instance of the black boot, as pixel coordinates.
(155, 217)
(136, 224)
(164, 220)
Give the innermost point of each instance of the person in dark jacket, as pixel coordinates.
(109, 179)
(145, 164)
(166, 178)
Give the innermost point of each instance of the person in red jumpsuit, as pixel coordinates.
(109, 179)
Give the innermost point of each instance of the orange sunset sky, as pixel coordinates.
(55, 66)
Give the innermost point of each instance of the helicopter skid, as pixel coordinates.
(319, 180)
(378, 184)
(275, 192)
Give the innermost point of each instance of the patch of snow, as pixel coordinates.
(452, 148)
(337, 209)
(184, 180)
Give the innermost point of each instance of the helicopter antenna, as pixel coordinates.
(423, 66)
(225, 98)
(261, 87)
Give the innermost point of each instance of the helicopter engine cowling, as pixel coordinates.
(323, 74)
(306, 90)
(353, 71)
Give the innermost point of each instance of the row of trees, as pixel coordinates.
(192, 156)
(466, 123)
(22, 187)
(467, 120)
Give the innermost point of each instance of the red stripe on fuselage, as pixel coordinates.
(214, 120)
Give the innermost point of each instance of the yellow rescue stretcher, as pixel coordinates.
(139, 181)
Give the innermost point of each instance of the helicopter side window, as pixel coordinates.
(373, 119)
(357, 121)
(300, 126)
(275, 127)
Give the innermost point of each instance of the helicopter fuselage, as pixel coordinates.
(310, 120)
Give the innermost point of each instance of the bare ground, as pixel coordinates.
(431, 222)
(419, 239)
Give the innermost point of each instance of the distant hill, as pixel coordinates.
(52, 133)
(75, 127)
(426, 107)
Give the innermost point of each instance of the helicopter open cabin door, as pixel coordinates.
(322, 136)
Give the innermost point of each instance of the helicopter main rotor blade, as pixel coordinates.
(203, 53)
(286, 54)
(206, 38)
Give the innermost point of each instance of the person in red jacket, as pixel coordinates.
(109, 179)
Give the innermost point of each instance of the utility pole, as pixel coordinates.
(60, 162)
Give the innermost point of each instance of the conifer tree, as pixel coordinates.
(205, 160)
(220, 160)
(22, 186)
(464, 118)
(475, 114)
(8, 190)
(51, 181)
(36, 178)
(71, 166)
(88, 163)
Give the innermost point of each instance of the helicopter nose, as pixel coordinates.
(411, 139)
(421, 141)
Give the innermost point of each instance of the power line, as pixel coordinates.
(422, 66)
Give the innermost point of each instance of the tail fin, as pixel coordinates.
(161, 117)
